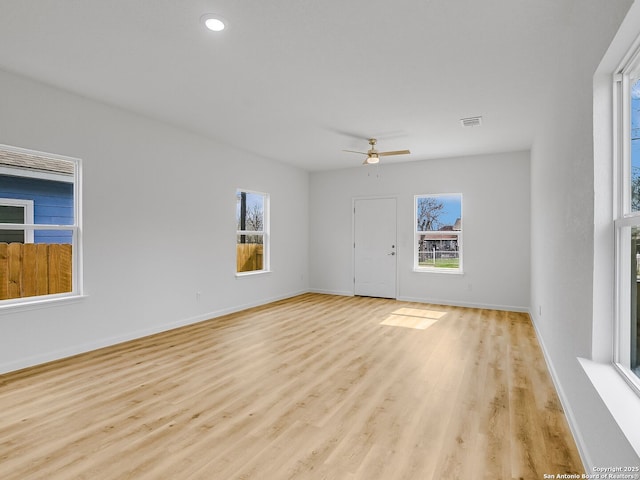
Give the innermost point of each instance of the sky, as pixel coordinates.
(635, 127)
(253, 199)
(452, 208)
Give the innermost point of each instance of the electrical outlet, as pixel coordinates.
(198, 295)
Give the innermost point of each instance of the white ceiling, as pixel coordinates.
(300, 80)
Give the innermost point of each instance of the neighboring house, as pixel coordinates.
(440, 241)
(35, 190)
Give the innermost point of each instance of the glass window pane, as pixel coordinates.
(438, 228)
(51, 192)
(439, 213)
(439, 251)
(635, 305)
(11, 236)
(251, 239)
(12, 214)
(250, 211)
(249, 253)
(37, 189)
(30, 269)
(635, 145)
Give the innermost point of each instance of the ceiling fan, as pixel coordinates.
(373, 156)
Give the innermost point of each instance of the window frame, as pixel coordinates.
(417, 233)
(265, 233)
(624, 218)
(75, 228)
(27, 206)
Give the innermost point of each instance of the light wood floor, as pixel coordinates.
(313, 387)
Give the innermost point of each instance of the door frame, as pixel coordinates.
(353, 239)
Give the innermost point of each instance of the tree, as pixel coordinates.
(255, 217)
(250, 218)
(428, 214)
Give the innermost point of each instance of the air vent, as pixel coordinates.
(471, 121)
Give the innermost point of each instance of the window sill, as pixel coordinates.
(618, 396)
(448, 271)
(252, 274)
(37, 303)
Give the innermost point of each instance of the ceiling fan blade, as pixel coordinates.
(395, 152)
(353, 151)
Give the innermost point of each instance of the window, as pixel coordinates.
(39, 226)
(627, 221)
(13, 210)
(438, 233)
(252, 244)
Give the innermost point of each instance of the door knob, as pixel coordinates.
(392, 253)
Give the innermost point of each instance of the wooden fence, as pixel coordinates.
(31, 269)
(249, 257)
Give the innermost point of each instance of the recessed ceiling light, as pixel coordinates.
(215, 23)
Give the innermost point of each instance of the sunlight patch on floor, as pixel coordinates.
(416, 318)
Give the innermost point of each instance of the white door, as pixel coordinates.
(375, 247)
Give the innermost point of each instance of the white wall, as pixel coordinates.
(496, 223)
(562, 216)
(141, 273)
(159, 224)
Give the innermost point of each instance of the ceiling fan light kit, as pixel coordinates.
(371, 159)
(373, 156)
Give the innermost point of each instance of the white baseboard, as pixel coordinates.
(107, 342)
(342, 293)
(487, 306)
(573, 426)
